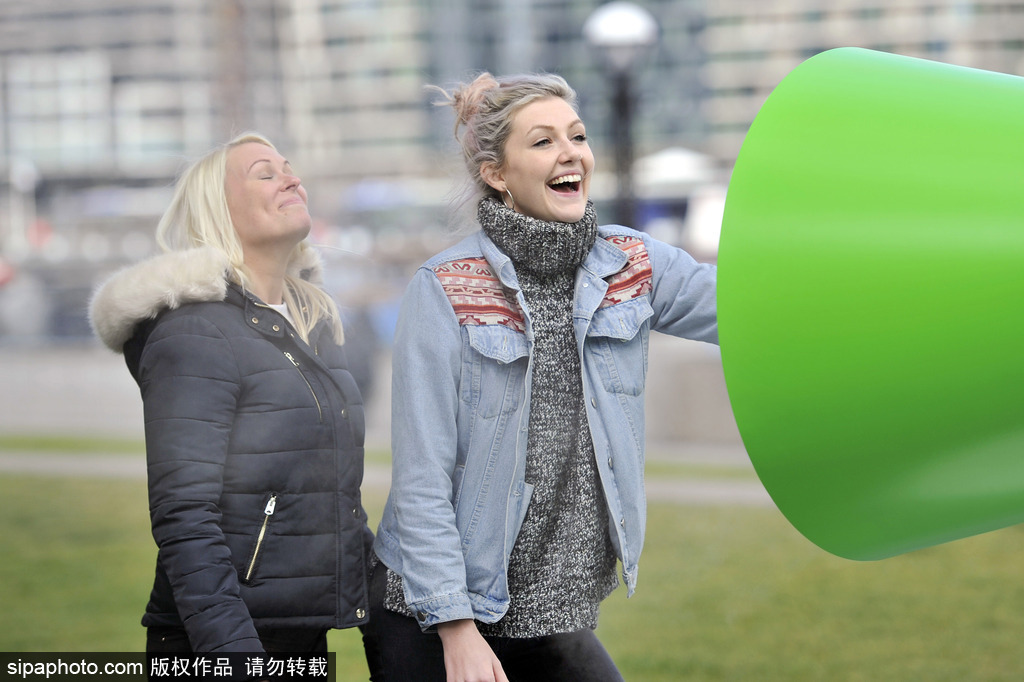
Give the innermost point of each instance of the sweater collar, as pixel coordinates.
(544, 248)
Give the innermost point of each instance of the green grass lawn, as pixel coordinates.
(725, 594)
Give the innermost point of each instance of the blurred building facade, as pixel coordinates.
(102, 102)
(749, 46)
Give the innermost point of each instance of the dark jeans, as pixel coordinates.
(174, 640)
(279, 641)
(398, 651)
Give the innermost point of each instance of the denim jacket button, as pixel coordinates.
(421, 616)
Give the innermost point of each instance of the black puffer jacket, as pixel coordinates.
(254, 443)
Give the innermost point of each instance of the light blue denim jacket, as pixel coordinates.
(460, 408)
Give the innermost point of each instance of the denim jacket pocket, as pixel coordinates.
(488, 539)
(496, 361)
(617, 339)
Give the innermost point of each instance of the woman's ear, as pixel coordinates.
(493, 176)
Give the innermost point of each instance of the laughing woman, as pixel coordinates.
(254, 424)
(519, 369)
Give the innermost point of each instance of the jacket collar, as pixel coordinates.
(168, 281)
(258, 314)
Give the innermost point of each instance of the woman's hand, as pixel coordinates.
(467, 655)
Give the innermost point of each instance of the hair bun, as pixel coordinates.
(467, 99)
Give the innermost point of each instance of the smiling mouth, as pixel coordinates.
(567, 184)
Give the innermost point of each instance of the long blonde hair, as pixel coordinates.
(198, 216)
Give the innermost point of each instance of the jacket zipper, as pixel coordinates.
(295, 362)
(268, 511)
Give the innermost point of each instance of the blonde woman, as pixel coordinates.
(253, 422)
(520, 360)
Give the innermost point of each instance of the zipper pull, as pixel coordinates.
(271, 505)
(293, 360)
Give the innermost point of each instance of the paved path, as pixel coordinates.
(690, 491)
(86, 390)
(126, 466)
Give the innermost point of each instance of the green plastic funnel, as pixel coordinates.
(871, 301)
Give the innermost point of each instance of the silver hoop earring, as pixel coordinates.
(512, 198)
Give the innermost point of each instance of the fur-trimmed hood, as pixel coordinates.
(168, 281)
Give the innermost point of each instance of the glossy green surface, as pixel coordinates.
(871, 300)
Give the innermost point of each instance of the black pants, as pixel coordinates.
(174, 640)
(398, 651)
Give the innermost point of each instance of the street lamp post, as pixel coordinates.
(622, 32)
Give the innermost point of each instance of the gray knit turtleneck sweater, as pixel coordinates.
(563, 563)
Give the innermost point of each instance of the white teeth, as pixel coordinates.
(575, 177)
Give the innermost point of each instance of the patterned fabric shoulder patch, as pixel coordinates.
(476, 294)
(633, 280)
